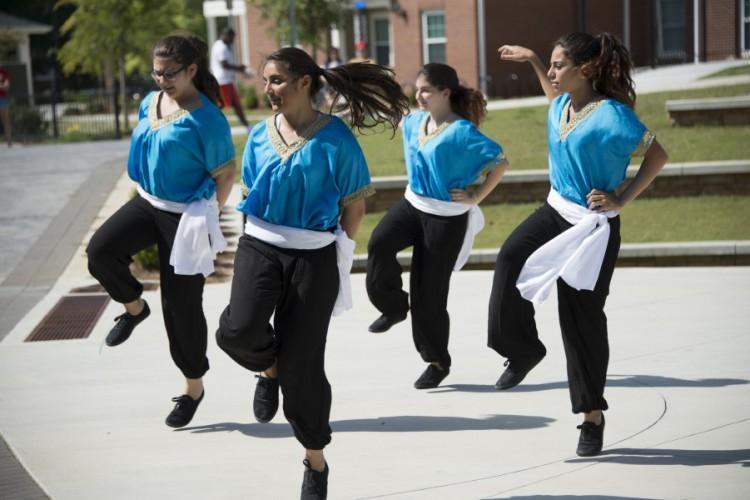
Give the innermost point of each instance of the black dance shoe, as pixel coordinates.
(431, 377)
(515, 373)
(266, 400)
(125, 325)
(591, 439)
(183, 410)
(314, 483)
(383, 324)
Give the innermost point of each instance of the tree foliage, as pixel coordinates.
(313, 18)
(107, 33)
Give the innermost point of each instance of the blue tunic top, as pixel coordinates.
(451, 157)
(177, 156)
(593, 150)
(304, 184)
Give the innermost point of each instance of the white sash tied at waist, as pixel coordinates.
(198, 238)
(307, 239)
(474, 224)
(575, 255)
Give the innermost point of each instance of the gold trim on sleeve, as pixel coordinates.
(224, 166)
(646, 141)
(359, 194)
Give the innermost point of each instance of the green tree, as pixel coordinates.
(115, 37)
(313, 18)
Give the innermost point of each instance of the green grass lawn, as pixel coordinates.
(738, 70)
(650, 220)
(523, 135)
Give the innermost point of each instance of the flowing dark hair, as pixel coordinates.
(186, 49)
(610, 61)
(466, 102)
(371, 94)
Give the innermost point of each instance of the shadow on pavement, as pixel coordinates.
(568, 497)
(400, 423)
(613, 381)
(661, 456)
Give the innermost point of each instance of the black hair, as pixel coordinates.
(610, 62)
(372, 96)
(186, 49)
(466, 102)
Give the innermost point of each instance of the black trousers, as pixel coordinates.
(299, 288)
(135, 226)
(437, 242)
(512, 329)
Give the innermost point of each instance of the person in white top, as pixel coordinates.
(224, 68)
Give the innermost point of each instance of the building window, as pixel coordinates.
(433, 36)
(381, 40)
(745, 27)
(670, 15)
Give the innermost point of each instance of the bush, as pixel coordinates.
(248, 97)
(27, 122)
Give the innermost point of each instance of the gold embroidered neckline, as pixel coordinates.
(424, 137)
(285, 150)
(153, 115)
(567, 126)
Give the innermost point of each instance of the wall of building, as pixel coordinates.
(721, 29)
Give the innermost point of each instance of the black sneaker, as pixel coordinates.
(515, 372)
(591, 439)
(383, 324)
(314, 483)
(183, 410)
(125, 325)
(266, 400)
(431, 377)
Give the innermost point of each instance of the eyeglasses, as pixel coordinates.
(167, 75)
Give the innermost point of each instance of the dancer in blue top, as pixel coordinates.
(574, 238)
(306, 181)
(182, 159)
(445, 153)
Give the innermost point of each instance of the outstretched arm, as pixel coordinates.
(523, 54)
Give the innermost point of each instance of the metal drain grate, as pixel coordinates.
(73, 317)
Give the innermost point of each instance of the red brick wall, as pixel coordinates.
(460, 34)
(720, 29)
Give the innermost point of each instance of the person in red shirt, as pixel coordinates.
(5, 104)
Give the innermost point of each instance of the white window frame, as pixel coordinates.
(660, 35)
(373, 33)
(744, 27)
(426, 41)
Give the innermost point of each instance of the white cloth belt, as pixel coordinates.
(575, 255)
(307, 239)
(474, 224)
(198, 238)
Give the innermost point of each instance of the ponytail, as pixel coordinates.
(609, 60)
(466, 102)
(186, 48)
(372, 96)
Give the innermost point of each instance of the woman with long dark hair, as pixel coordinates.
(306, 181)
(573, 239)
(182, 159)
(439, 217)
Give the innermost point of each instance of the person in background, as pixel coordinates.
(224, 69)
(5, 106)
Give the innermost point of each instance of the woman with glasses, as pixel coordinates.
(182, 159)
(306, 180)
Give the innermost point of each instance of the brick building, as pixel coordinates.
(405, 34)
